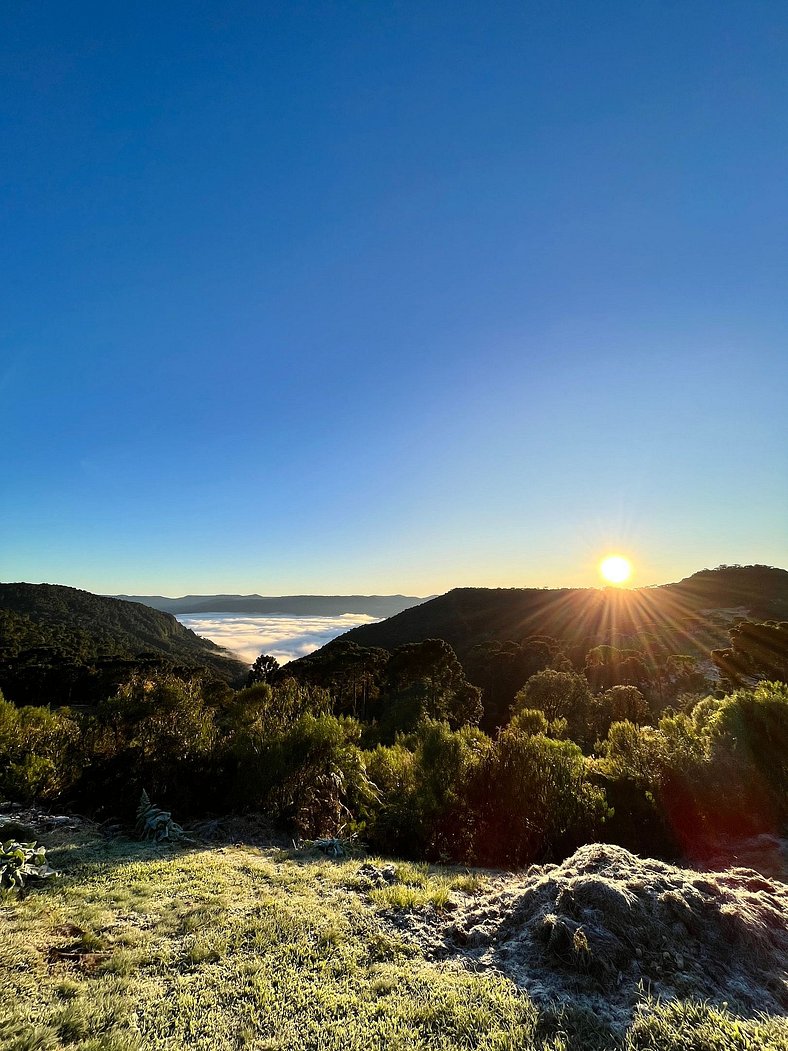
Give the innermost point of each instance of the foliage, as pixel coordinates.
(748, 745)
(618, 704)
(264, 709)
(757, 651)
(261, 727)
(438, 787)
(633, 753)
(609, 666)
(159, 731)
(721, 769)
(530, 721)
(500, 669)
(265, 669)
(154, 823)
(531, 797)
(312, 775)
(421, 781)
(559, 695)
(21, 864)
(424, 680)
(352, 675)
(39, 751)
(61, 645)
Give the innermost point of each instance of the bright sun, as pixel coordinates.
(615, 569)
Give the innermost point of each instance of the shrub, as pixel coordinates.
(531, 798)
(722, 769)
(156, 730)
(421, 781)
(21, 864)
(155, 823)
(40, 753)
(312, 776)
(633, 753)
(530, 721)
(747, 743)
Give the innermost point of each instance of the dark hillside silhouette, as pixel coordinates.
(684, 617)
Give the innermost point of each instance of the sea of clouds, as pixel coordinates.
(281, 635)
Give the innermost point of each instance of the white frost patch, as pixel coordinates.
(606, 928)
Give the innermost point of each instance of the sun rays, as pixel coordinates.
(615, 569)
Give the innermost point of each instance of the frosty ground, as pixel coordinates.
(232, 945)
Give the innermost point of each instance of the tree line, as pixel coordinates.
(402, 750)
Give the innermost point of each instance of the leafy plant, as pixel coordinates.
(21, 863)
(155, 823)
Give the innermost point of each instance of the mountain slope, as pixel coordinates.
(51, 624)
(693, 613)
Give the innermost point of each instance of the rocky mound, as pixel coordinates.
(607, 928)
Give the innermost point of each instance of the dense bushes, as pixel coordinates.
(422, 783)
(157, 732)
(721, 769)
(39, 751)
(435, 786)
(531, 798)
(313, 777)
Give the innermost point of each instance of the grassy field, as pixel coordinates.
(138, 946)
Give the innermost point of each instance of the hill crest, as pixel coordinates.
(686, 611)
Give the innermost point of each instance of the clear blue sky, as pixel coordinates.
(339, 297)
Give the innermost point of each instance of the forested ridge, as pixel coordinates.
(718, 625)
(60, 644)
(684, 613)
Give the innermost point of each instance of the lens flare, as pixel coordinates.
(615, 569)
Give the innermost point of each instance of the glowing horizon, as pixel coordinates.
(585, 577)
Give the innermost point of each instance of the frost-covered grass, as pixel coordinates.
(138, 946)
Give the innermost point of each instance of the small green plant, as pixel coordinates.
(435, 893)
(21, 864)
(469, 882)
(155, 823)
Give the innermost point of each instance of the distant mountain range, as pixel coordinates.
(294, 605)
(689, 616)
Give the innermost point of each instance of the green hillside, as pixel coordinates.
(59, 643)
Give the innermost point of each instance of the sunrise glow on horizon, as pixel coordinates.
(616, 569)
